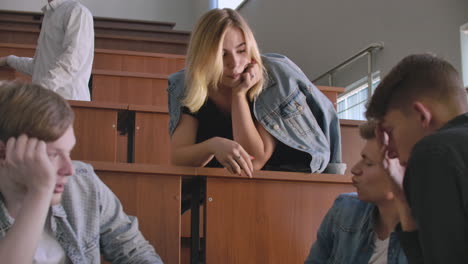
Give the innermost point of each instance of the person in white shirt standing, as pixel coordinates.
(64, 53)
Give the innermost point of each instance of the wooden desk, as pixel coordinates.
(351, 142)
(272, 218)
(151, 136)
(114, 60)
(152, 193)
(137, 62)
(97, 134)
(130, 88)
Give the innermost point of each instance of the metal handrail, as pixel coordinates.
(372, 47)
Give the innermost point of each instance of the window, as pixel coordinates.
(233, 4)
(352, 103)
(464, 52)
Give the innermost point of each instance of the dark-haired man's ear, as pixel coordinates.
(424, 114)
(2, 150)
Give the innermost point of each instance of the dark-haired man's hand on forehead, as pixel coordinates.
(390, 164)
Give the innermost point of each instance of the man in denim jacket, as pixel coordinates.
(359, 228)
(53, 210)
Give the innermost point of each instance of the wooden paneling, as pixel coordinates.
(96, 132)
(99, 22)
(137, 62)
(18, 35)
(103, 41)
(140, 44)
(7, 73)
(266, 221)
(331, 93)
(153, 195)
(351, 142)
(19, 50)
(151, 143)
(168, 34)
(114, 60)
(122, 87)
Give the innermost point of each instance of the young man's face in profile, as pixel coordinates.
(369, 178)
(59, 154)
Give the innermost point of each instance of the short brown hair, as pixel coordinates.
(367, 129)
(32, 110)
(416, 76)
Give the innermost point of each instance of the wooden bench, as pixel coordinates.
(104, 41)
(116, 60)
(149, 131)
(128, 87)
(133, 77)
(12, 15)
(137, 62)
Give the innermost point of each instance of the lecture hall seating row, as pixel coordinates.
(131, 77)
(102, 41)
(122, 34)
(148, 127)
(20, 18)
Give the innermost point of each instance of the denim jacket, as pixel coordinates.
(346, 235)
(290, 108)
(90, 221)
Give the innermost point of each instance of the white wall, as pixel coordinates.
(178, 11)
(319, 34)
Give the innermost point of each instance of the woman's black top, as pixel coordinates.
(213, 122)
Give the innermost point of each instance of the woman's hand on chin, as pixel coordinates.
(249, 77)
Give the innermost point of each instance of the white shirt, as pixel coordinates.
(49, 250)
(380, 255)
(65, 50)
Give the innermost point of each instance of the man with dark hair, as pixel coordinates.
(421, 106)
(359, 227)
(52, 209)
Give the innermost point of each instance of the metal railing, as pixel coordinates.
(365, 52)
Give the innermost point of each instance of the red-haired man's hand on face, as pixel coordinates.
(27, 165)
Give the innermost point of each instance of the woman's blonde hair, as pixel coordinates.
(204, 66)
